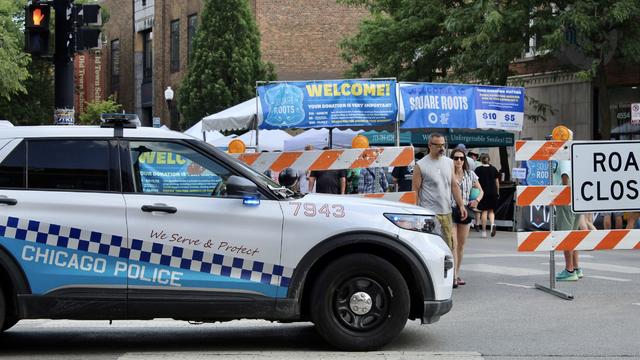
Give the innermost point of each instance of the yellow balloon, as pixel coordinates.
(562, 132)
(237, 146)
(360, 142)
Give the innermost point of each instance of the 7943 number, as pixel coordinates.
(313, 210)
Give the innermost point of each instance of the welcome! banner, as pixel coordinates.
(328, 103)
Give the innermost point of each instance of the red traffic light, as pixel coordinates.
(37, 16)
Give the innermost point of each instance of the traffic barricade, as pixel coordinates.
(337, 159)
(605, 176)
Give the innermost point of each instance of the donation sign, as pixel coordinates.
(462, 106)
(606, 176)
(328, 103)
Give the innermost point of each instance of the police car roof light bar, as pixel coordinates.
(119, 120)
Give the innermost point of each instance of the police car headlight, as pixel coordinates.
(422, 223)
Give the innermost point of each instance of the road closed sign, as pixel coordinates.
(605, 176)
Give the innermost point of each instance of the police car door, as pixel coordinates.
(187, 235)
(62, 217)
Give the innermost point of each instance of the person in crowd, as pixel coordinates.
(328, 181)
(353, 180)
(402, 175)
(434, 185)
(304, 175)
(613, 220)
(471, 162)
(466, 180)
(565, 219)
(632, 220)
(372, 180)
(489, 181)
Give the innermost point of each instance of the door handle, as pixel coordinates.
(161, 208)
(8, 201)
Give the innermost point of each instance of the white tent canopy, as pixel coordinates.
(269, 140)
(196, 132)
(237, 117)
(319, 138)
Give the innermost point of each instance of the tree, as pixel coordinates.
(91, 115)
(35, 105)
(590, 33)
(13, 61)
(226, 61)
(407, 40)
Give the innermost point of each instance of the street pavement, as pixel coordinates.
(497, 315)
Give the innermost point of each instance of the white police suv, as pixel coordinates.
(118, 222)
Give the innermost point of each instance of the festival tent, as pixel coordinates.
(196, 131)
(319, 138)
(270, 140)
(237, 117)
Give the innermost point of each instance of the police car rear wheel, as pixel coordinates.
(2, 310)
(360, 302)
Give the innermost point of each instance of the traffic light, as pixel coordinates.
(37, 18)
(87, 20)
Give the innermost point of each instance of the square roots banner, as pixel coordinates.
(462, 106)
(328, 103)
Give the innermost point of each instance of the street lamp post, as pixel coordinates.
(168, 97)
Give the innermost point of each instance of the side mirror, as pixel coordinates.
(239, 186)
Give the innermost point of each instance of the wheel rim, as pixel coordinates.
(361, 304)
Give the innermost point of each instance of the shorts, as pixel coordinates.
(446, 226)
(455, 214)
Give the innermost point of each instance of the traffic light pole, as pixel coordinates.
(64, 113)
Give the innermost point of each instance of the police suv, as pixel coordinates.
(119, 222)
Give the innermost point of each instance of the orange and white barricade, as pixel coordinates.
(337, 159)
(559, 195)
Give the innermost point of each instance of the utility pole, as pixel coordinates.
(76, 28)
(64, 113)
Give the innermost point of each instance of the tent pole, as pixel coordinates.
(330, 138)
(204, 136)
(397, 133)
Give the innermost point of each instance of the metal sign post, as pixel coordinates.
(551, 289)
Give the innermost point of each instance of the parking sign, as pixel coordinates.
(605, 176)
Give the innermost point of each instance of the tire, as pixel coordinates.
(3, 309)
(6, 320)
(339, 306)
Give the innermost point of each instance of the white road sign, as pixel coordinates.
(606, 176)
(635, 113)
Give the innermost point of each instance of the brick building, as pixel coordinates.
(148, 44)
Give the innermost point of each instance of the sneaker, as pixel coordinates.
(565, 275)
(493, 230)
(484, 233)
(579, 273)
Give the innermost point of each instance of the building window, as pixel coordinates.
(147, 56)
(192, 26)
(115, 63)
(175, 45)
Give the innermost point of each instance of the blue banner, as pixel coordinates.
(462, 106)
(328, 103)
(167, 172)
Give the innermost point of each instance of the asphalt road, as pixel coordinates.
(497, 315)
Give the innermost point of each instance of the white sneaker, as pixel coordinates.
(484, 233)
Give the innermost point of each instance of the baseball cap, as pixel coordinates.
(461, 147)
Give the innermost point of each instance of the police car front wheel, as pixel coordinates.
(360, 302)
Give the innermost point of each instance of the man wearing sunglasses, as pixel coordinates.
(433, 183)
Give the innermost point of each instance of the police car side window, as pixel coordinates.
(68, 165)
(13, 169)
(173, 168)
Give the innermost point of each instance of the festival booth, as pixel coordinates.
(321, 138)
(464, 114)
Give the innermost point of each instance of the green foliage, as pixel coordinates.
(226, 61)
(13, 61)
(91, 115)
(35, 105)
